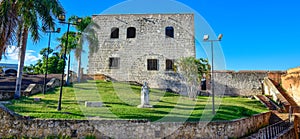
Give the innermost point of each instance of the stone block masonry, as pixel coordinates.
(136, 47)
(242, 83)
(14, 125)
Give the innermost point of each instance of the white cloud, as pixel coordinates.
(12, 56)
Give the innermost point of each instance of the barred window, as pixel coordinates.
(114, 63)
(152, 64)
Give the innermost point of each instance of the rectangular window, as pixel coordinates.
(114, 63)
(169, 64)
(152, 64)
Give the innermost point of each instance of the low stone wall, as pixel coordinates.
(33, 89)
(241, 83)
(14, 125)
(4, 95)
(37, 88)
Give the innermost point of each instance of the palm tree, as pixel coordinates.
(24, 17)
(73, 39)
(88, 35)
(8, 24)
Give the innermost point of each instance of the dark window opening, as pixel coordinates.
(152, 64)
(203, 83)
(114, 63)
(169, 64)
(131, 32)
(169, 32)
(114, 33)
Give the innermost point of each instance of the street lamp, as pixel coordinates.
(62, 20)
(206, 39)
(48, 49)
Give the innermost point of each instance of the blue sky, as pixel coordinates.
(258, 34)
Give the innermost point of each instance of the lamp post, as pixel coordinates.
(62, 19)
(47, 56)
(206, 39)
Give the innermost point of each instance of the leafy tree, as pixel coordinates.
(55, 64)
(44, 52)
(22, 17)
(29, 69)
(191, 71)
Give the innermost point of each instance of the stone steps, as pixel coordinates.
(267, 102)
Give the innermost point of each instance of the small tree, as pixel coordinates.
(191, 71)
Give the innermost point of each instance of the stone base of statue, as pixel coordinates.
(145, 106)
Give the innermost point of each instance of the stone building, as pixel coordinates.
(142, 47)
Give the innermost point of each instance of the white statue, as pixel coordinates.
(145, 97)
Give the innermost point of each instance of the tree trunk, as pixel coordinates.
(22, 53)
(79, 69)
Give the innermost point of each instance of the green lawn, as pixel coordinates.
(121, 100)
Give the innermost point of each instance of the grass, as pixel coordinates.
(121, 100)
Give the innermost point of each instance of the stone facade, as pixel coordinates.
(240, 83)
(291, 83)
(158, 37)
(14, 125)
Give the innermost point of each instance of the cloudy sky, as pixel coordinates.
(12, 56)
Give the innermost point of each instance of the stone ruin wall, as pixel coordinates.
(291, 83)
(241, 83)
(13, 125)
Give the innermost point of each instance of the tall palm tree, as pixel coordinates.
(8, 24)
(87, 35)
(24, 17)
(73, 39)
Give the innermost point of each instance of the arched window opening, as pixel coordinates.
(169, 32)
(114, 33)
(131, 31)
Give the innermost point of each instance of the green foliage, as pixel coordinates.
(191, 65)
(191, 71)
(55, 64)
(73, 39)
(121, 100)
(44, 52)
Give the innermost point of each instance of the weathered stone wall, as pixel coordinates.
(12, 125)
(5, 95)
(291, 83)
(30, 90)
(150, 43)
(241, 83)
(270, 89)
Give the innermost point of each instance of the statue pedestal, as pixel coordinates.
(145, 106)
